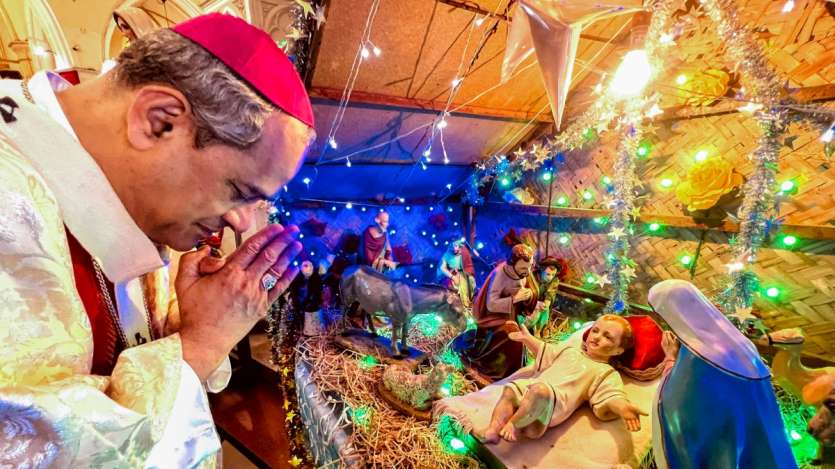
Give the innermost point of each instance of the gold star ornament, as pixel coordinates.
(290, 416)
(295, 461)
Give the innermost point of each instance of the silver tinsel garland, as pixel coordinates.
(620, 265)
(759, 206)
(622, 205)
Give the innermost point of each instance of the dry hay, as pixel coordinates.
(383, 437)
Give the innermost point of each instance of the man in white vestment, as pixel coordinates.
(193, 127)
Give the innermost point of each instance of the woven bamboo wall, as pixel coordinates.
(801, 47)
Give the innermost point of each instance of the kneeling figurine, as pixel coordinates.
(566, 376)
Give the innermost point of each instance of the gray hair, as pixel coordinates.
(226, 110)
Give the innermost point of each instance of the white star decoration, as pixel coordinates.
(319, 16)
(617, 233)
(628, 272)
(520, 152)
(602, 280)
(542, 153)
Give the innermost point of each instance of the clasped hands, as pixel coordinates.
(221, 300)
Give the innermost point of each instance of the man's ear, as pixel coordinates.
(157, 113)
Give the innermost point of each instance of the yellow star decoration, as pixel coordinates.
(617, 233)
(284, 371)
(295, 34)
(744, 313)
(286, 404)
(520, 152)
(307, 8)
(635, 212)
(628, 272)
(289, 417)
(295, 462)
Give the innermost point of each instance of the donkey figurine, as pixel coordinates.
(363, 287)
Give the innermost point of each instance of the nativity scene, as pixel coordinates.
(417, 234)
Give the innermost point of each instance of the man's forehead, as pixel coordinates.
(280, 151)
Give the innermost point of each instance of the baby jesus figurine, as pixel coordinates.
(565, 376)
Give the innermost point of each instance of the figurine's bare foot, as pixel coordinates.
(487, 436)
(508, 432)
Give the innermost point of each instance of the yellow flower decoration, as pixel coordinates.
(706, 183)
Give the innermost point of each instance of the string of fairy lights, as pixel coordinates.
(622, 107)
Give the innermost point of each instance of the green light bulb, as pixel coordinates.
(666, 183)
(772, 292)
(654, 227)
(546, 176)
(562, 200)
(607, 180)
(590, 278)
(787, 186)
(563, 239)
(790, 240)
(686, 259)
(504, 181)
(587, 195)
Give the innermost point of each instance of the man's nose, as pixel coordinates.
(240, 219)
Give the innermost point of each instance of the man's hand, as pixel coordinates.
(630, 414)
(220, 302)
(524, 294)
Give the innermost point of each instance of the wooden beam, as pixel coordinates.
(818, 232)
(806, 95)
(426, 105)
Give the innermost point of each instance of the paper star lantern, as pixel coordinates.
(551, 28)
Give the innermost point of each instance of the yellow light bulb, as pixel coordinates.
(681, 79)
(632, 75)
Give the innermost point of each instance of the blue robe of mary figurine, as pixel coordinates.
(716, 408)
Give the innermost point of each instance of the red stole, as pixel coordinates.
(106, 342)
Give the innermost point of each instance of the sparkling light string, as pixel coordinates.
(352, 78)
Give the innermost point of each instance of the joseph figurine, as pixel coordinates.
(504, 295)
